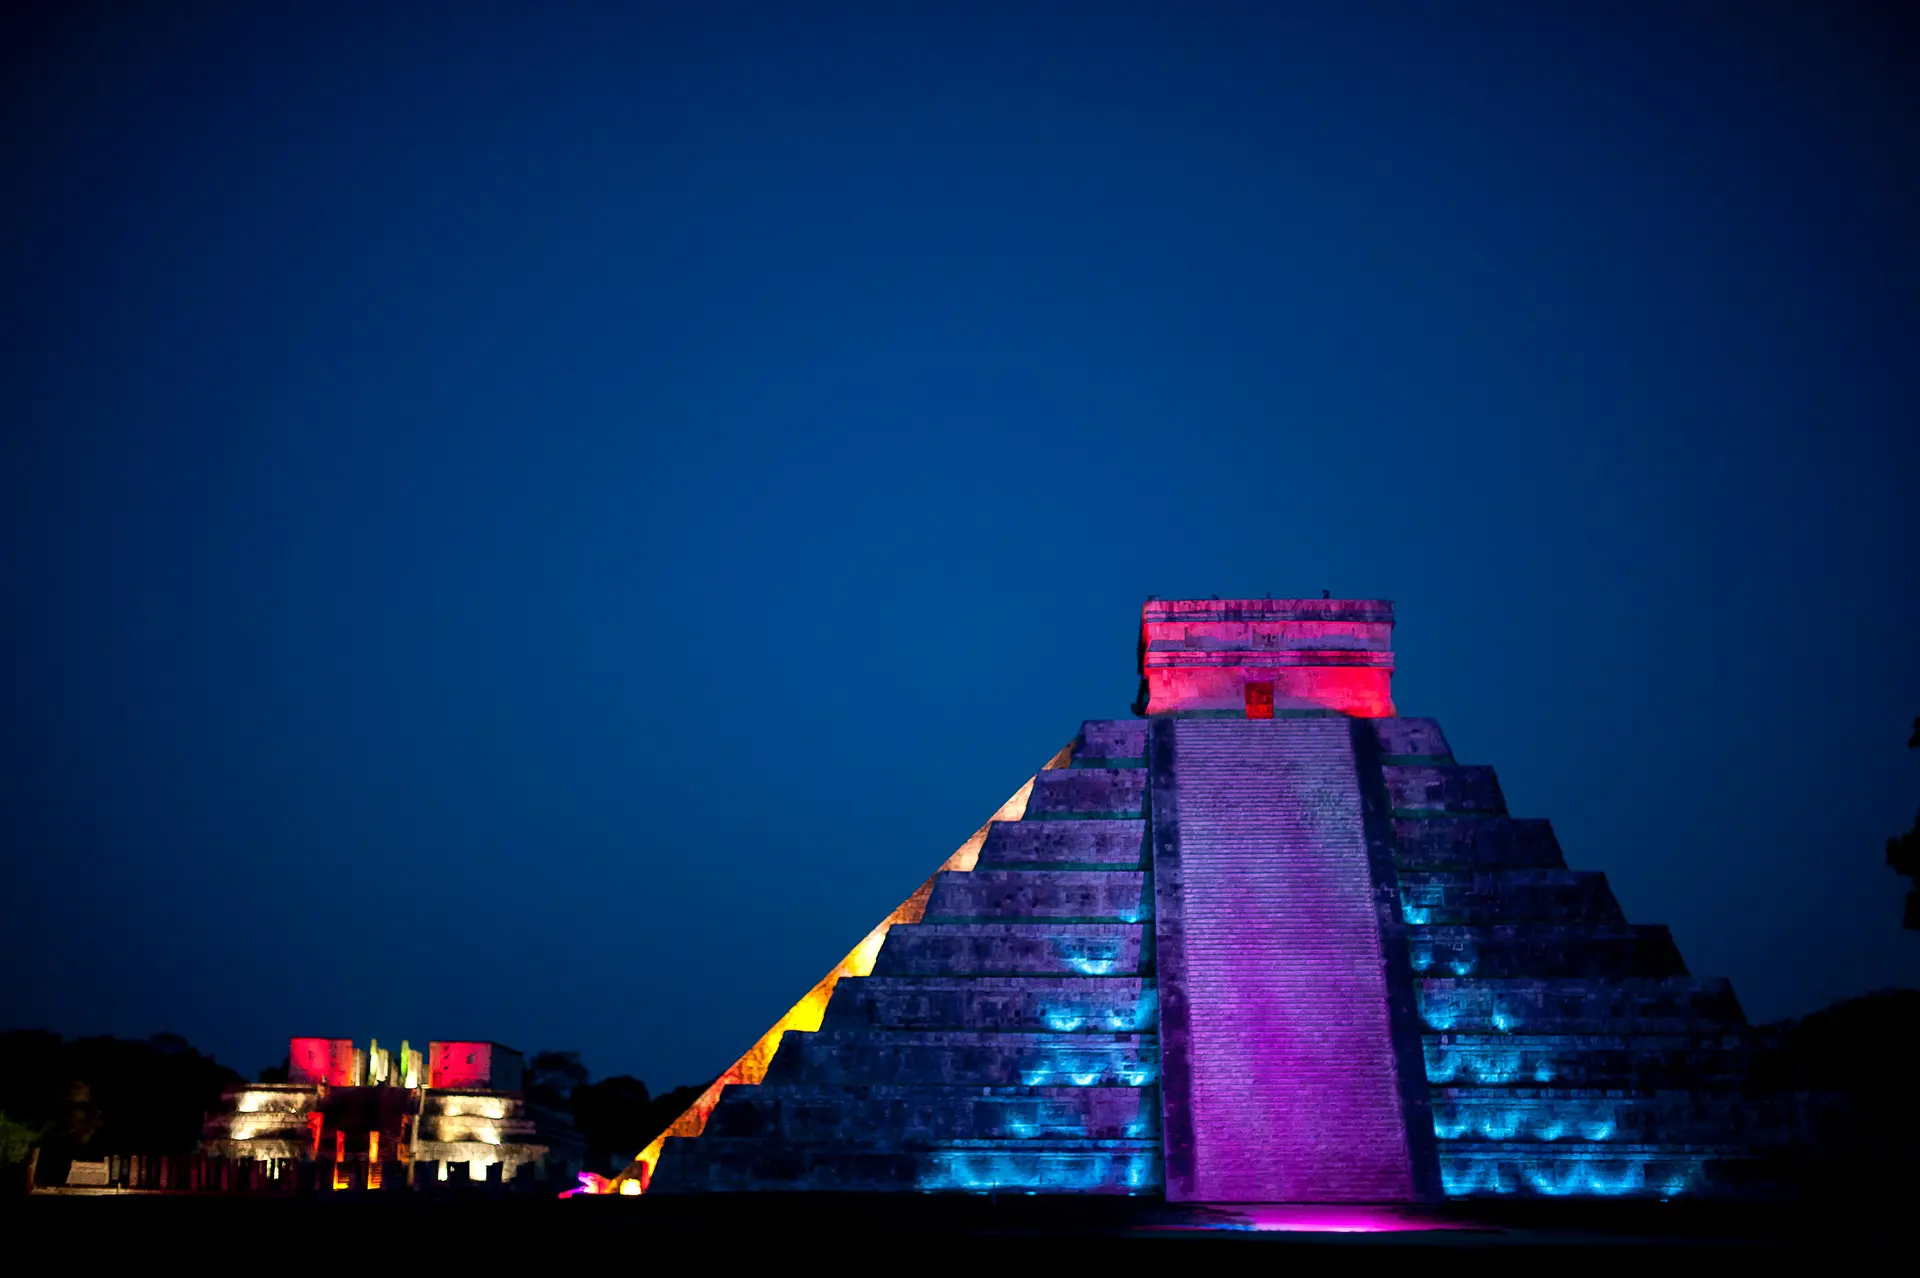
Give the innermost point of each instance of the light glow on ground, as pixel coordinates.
(1318, 1219)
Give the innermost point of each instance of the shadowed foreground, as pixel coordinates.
(1006, 1225)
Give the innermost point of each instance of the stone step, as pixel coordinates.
(982, 1058)
(1544, 951)
(1606, 1171)
(746, 1163)
(1036, 949)
(1509, 896)
(1499, 1115)
(732, 1163)
(1412, 739)
(1130, 1167)
(1070, 793)
(1118, 896)
(1077, 1004)
(1480, 842)
(887, 1116)
(1651, 1061)
(1456, 789)
(1681, 1005)
(1120, 844)
(1111, 739)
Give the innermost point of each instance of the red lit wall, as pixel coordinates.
(1361, 692)
(1318, 654)
(468, 1065)
(320, 1060)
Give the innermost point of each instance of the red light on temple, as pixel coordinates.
(1215, 655)
(321, 1060)
(461, 1064)
(1260, 700)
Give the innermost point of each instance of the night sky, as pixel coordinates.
(545, 522)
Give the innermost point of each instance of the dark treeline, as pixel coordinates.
(90, 1097)
(617, 1116)
(1850, 1068)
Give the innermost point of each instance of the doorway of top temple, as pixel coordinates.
(1260, 700)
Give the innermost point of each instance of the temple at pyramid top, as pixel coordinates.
(1259, 656)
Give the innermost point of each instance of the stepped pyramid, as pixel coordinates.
(1267, 943)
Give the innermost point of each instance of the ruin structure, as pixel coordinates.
(377, 1118)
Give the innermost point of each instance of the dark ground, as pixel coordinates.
(587, 1233)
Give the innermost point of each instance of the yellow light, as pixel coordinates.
(806, 1015)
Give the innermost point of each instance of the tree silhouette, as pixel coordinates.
(553, 1076)
(96, 1096)
(616, 1119)
(1903, 854)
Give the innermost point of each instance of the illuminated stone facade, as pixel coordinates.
(1270, 942)
(460, 1104)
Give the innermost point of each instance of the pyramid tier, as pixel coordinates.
(1544, 950)
(882, 1115)
(1564, 1120)
(1596, 1171)
(1508, 896)
(1105, 896)
(1007, 949)
(978, 1058)
(1491, 843)
(759, 1163)
(1649, 1061)
(1672, 1005)
(1078, 793)
(1455, 789)
(1034, 1004)
(1094, 843)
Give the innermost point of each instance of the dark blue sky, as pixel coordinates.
(544, 522)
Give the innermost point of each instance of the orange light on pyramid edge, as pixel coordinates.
(807, 1014)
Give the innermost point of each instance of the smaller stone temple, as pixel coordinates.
(457, 1111)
